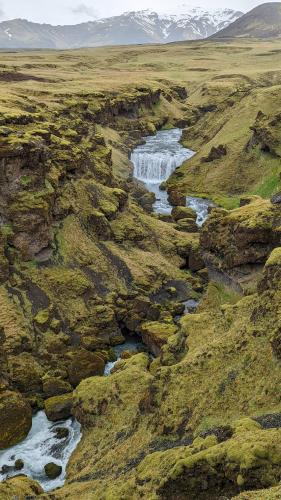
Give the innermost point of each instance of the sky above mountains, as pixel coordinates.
(75, 11)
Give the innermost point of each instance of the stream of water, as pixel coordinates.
(200, 206)
(156, 160)
(133, 343)
(153, 162)
(40, 447)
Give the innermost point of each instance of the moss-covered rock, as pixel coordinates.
(26, 373)
(242, 236)
(52, 470)
(188, 225)
(179, 213)
(53, 386)
(84, 364)
(20, 487)
(155, 334)
(15, 418)
(206, 469)
(59, 407)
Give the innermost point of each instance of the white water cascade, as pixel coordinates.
(41, 447)
(156, 160)
(200, 206)
(133, 343)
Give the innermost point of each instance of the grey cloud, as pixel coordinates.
(82, 8)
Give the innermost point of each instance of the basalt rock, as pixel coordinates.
(179, 213)
(53, 386)
(61, 432)
(59, 407)
(84, 364)
(187, 225)
(156, 334)
(276, 198)
(266, 134)
(25, 373)
(176, 198)
(242, 236)
(52, 470)
(215, 154)
(15, 418)
(246, 200)
(146, 201)
(19, 464)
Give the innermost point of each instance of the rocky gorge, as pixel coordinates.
(95, 252)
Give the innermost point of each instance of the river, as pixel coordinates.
(153, 162)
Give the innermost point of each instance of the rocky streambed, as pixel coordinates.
(45, 452)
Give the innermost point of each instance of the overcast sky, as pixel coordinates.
(76, 11)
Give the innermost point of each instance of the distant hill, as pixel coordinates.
(263, 21)
(129, 28)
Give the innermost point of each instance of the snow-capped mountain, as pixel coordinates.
(129, 28)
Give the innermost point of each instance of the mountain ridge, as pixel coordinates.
(264, 21)
(134, 27)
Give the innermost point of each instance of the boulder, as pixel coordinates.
(127, 354)
(176, 198)
(147, 201)
(195, 260)
(15, 418)
(276, 198)
(215, 154)
(53, 386)
(52, 470)
(242, 236)
(165, 218)
(98, 223)
(246, 200)
(19, 464)
(155, 335)
(85, 364)
(59, 407)
(25, 373)
(187, 225)
(179, 213)
(61, 432)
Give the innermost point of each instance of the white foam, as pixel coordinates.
(156, 160)
(41, 447)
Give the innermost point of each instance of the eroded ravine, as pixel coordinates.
(154, 161)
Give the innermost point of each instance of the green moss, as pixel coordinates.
(42, 317)
(59, 141)
(274, 258)
(6, 230)
(26, 180)
(27, 201)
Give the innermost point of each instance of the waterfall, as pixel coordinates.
(161, 154)
(153, 168)
(155, 160)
